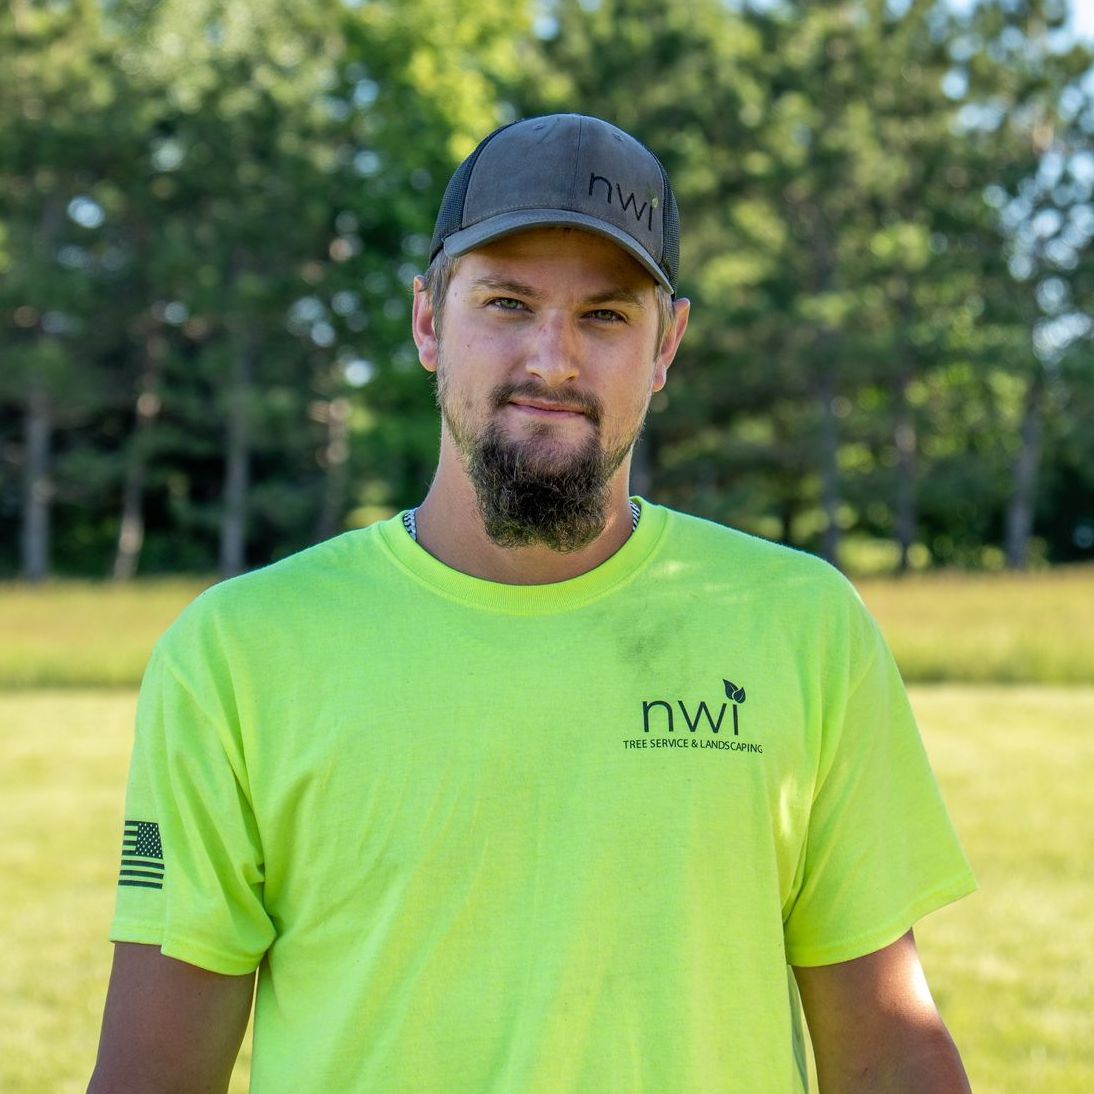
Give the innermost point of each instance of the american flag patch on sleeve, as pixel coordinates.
(142, 855)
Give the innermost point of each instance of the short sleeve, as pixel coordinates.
(188, 806)
(880, 850)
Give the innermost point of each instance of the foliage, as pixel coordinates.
(211, 215)
(861, 352)
(245, 255)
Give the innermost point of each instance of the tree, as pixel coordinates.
(59, 94)
(838, 245)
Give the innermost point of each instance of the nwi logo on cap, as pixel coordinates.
(629, 202)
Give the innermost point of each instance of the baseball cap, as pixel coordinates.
(563, 170)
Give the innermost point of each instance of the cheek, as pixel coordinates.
(634, 386)
(626, 406)
(458, 393)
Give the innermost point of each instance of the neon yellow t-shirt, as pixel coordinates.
(493, 838)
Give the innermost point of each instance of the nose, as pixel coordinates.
(553, 355)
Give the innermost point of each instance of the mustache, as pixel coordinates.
(588, 404)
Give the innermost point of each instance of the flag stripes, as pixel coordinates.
(142, 855)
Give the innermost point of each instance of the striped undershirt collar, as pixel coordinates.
(410, 520)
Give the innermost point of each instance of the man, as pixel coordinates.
(538, 787)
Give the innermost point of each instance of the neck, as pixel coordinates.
(450, 528)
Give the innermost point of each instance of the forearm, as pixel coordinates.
(168, 1027)
(875, 1028)
(909, 1062)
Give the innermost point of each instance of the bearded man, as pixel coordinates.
(538, 786)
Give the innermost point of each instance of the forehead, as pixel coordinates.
(545, 254)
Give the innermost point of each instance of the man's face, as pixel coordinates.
(544, 375)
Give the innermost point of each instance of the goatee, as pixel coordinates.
(527, 494)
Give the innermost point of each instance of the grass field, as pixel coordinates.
(995, 628)
(990, 628)
(1012, 967)
(64, 756)
(82, 634)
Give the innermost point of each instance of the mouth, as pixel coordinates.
(546, 409)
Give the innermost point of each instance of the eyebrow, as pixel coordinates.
(618, 295)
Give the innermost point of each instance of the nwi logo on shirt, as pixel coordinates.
(696, 724)
(661, 713)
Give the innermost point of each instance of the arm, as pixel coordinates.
(875, 1028)
(168, 1026)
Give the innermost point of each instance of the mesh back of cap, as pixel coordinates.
(670, 227)
(450, 217)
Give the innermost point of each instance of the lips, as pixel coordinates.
(536, 402)
(544, 406)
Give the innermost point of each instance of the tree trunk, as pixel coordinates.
(37, 488)
(823, 279)
(905, 439)
(237, 461)
(131, 529)
(1023, 501)
(904, 435)
(787, 476)
(786, 511)
(38, 431)
(829, 453)
(336, 462)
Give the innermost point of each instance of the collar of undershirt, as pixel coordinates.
(410, 520)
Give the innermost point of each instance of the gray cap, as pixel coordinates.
(563, 170)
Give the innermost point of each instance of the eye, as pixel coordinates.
(607, 315)
(505, 303)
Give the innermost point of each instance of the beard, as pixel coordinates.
(529, 492)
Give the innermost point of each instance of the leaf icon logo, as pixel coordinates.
(736, 694)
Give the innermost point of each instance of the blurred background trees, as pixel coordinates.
(211, 214)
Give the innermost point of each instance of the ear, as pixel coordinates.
(671, 342)
(425, 336)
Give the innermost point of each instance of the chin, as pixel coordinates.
(551, 452)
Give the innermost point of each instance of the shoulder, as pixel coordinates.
(760, 563)
(770, 592)
(282, 598)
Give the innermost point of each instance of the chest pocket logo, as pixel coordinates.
(661, 714)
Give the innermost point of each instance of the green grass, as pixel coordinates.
(1003, 628)
(64, 755)
(85, 634)
(1011, 967)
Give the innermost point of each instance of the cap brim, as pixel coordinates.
(506, 224)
